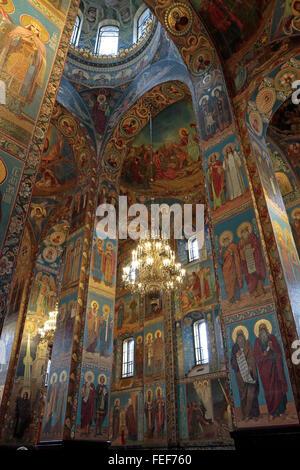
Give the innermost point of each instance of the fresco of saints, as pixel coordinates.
(296, 228)
(68, 264)
(244, 366)
(93, 327)
(232, 165)
(101, 403)
(22, 415)
(23, 61)
(284, 252)
(120, 311)
(268, 355)
(46, 289)
(76, 260)
(149, 414)
(231, 267)
(106, 324)
(149, 351)
(108, 264)
(51, 399)
(88, 395)
(139, 356)
(216, 181)
(97, 259)
(60, 401)
(6, 6)
(116, 419)
(133, 305)
(160, 414)
(68, 324)
(251, 259)
(158, 353)
(221, 109)
(207, 122)
(131, 420)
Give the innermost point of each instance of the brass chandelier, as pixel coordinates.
(153, 266)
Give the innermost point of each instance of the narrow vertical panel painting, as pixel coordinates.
(10, 175)
(26, 69)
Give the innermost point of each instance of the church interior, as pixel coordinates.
(188, 102)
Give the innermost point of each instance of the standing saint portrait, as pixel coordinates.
(231, 266)
(116, 419)
(131, 420)
(149, 353)
(149, 414)
(108, 264)
(105, 331)
(232, 165)
(251, 259)
(245, 369)
(23, 62)
(101, 403)
(50, 405)
(269, 358)
(158, 347)
(88, 395)
(160, 413)
(216, 181)
(93, 327)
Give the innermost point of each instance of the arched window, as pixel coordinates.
(76, 30)
(193, 249)
(200, 342)
(128, 358)
(142, 22)
(107, 42)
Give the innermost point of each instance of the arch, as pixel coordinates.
(270, 93)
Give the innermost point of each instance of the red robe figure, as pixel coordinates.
(268, 356)
(88, 396)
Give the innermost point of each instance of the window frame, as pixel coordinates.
(193, 258)
(138, 26)
(201, 358)
(75, 40)
(101, 27)
(127, 358)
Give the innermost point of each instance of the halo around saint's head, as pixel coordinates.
(89, 374)
(240, 328)
(242, 227)
(258, 324)
(224, 235)
(99, 378)
(27, 20)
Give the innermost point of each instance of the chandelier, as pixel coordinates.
(47, 331)
(153, 268)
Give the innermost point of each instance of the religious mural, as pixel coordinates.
(243, 274)
(176, 154)
(205, 411)
(37, 38)
(227, 183)
(261, 387)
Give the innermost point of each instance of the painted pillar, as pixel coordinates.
(29, 100)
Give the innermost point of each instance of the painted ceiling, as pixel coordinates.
(176, 154)
(232, 23)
